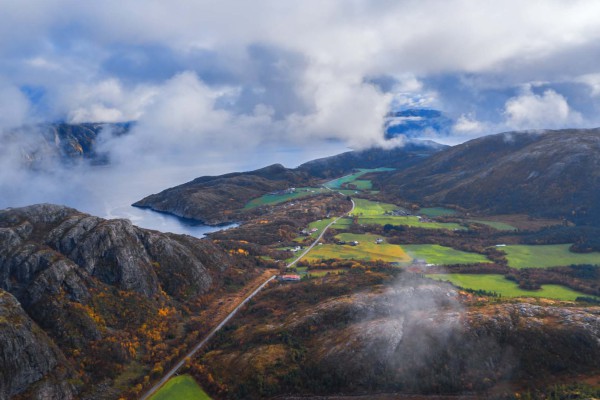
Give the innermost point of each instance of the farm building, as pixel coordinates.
(289, 278)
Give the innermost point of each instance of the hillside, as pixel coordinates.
(83, 299)
(368, 333)
(550, 174)
(220, 199)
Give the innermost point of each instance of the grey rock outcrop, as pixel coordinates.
(28, 356)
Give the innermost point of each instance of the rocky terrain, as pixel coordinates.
(408, 335)
(546, 173)
(82, 297)
(61, 142)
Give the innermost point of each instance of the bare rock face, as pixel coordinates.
(28, 356)
(82, 283)
(46, 247)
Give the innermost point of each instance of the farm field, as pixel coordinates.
(270, 199)
(437, 211)
(363, 184)
(370, 212)
(367, 250)
(501, 226)
(504, 287)
(441, 255)
(322, 272)
(544, 256)
(339, 182)
(182, 387)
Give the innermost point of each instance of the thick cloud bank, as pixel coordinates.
(208, 82)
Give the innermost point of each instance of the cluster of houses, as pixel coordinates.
(285, 191)
(296, 249)
(289, 278)
(308, 232)
(397, 213)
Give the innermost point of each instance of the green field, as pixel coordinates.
(437, 212)
(339, 182)
(367, 250)
(363, 184)
(182, 387)
(504, 287)
(371, 212)
(270, 199)
(501, 226)
(544, 256)
(441, 255)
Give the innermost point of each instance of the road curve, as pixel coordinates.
(217, 328)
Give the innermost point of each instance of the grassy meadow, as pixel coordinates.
(442, 255)
(270, 199)
(544, 256)
(367, 250)
(504, 287)
(501, 226)
(437, 212)
(182, 387)
(371, 212)
(352, 178)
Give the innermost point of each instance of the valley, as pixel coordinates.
(366, 271)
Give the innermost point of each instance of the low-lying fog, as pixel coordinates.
(108, 191)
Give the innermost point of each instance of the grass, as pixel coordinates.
(339, 182)
(322, 272)
(371, 212)
(363, 184)
(502, 286)
(270, 199)
(182, 387)
(441, 255)
(437, 212)
(544, 256)
(367, 250)
(501, 226)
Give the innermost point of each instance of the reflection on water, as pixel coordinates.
(149, 219)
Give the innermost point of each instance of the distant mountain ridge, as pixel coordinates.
(543, 173)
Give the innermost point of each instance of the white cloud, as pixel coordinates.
(14, 106)
(533, 111)
(467, 124)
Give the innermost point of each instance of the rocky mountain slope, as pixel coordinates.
(549, 173)
(90, 297)
(406, 336)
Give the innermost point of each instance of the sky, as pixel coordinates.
(207, 79)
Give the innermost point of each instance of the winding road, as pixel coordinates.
(216, 329)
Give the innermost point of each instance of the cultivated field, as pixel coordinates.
(270, 199)
(182, 387)
(544, 256)
(441, 255)
(370, 212)
(504, 287)
(501, 226)
(352, 178)
(437, 211)
(367, 250)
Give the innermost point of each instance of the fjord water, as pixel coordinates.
(108, 191)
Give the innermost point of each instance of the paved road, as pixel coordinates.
(212, 333)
